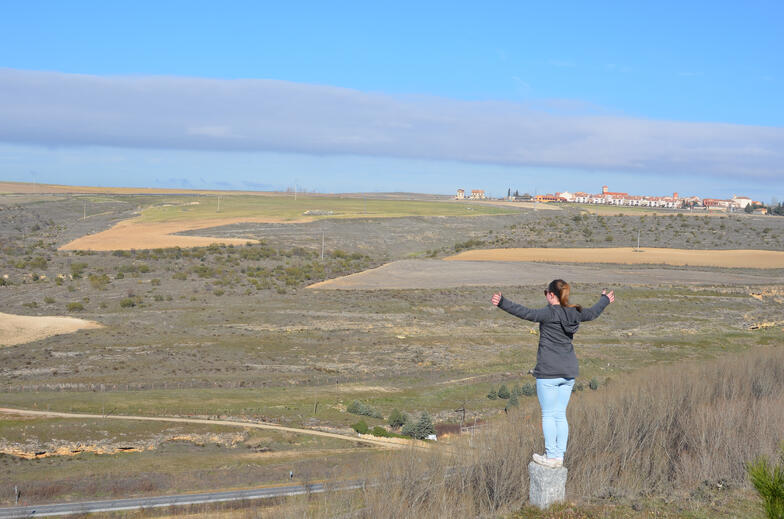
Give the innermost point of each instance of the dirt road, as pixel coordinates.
(389, 443)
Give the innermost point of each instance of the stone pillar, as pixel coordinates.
(547, 486)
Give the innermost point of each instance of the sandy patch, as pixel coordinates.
(19, 329)
(760, 259)
(134, 234)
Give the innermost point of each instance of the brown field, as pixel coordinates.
(761, 259)
(19, 329)
(133, 234)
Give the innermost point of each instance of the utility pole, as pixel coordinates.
(219, 201)
(638, 239)
(322, 245)
(84, 213)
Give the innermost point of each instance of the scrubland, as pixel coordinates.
(232, 332)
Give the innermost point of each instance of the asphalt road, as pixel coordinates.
(85, 507)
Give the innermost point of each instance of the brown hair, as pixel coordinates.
(560, 288)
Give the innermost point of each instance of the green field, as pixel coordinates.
(286, 208)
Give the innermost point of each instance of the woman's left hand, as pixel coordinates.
(610, 295)
(496, 298)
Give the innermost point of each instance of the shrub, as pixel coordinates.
(361, 427)
(421, 428)
(360, 408)
(127, 302)
(528, 389)
(593, 384)
(99, 282)
(182, 276)
(48, 300)
(155, 282)
(397, 419)
(74, 306)
(769, 483)
(492, 395)
(380, 431)
(119, 275)
(503, 392)
(513, 402)
(77, 269)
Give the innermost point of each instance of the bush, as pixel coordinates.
(182, 276)
(769, 482)
(48, 300)
(397, 419)
(361, 427)
(74, 306)
(503, 392)
(513, 402)
(421, 429)
(593, 384)
(99, 282)
(492, 395)
(128, 302)
(77, 269)
(380, 431)
(357, 407)
(528, 389)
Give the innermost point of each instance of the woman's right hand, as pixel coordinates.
(496, 298)
(610, 295)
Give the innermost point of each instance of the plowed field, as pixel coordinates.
(761, 259)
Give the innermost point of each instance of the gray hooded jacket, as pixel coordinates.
(555, 357)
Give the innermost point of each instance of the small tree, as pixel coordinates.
(594, 384)
(397, 419)
(513, 402)
(503, 392)
(421, 429)
(528, 389)
(492, 395)
(769, 482)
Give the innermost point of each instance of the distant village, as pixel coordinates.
(607, 197)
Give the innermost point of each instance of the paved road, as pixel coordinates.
(114, 505)
(393, 443)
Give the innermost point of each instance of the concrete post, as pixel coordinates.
(547, 486)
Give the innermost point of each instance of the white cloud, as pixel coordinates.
(55, 109)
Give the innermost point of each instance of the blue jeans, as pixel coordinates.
(554, 396)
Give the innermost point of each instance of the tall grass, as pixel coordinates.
(658, 431)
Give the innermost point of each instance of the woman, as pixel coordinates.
(556, 363)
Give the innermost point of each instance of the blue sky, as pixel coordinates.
(400, 97)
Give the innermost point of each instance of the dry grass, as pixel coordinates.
(662, 431)
(763, 259)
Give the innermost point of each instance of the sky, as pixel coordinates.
(646, 97)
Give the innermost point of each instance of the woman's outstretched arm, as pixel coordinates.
(523, 312)
(589, 314)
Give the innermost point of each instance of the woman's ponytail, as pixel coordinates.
(560, 288)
